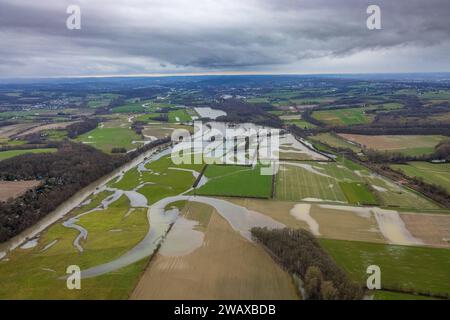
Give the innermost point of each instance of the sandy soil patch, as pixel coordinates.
(432, 229)
(226, 266)
(13, 189)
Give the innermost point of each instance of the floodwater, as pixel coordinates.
(183, 238)
(207, 112)
(389, 222)
(301, 212)
(240, 218)
(74, 201)
(30, 244)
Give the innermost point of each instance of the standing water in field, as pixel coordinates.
(240, 218)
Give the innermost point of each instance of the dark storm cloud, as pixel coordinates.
(172, 36)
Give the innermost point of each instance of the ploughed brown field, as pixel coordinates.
(13, 189)
(222, 265)
(433, 229)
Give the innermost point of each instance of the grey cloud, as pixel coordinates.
(138, 36)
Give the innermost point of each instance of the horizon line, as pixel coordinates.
(219, 73)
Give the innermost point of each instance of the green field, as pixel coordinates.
(163, 179)
(417, 269)
(318, 181)
(335, 141)
(148, 117)
(54, 134)
(411, 145)
(7, 142)
(179, 115)
(129, 108)
(240, 181)
(358, 193)
(294, 183)
(390, 295)
(107, 138)
(33, 274)
(257, 100)
(100, 100)
(438, 174)
(343, 117)
(14, 153)
(301, 124)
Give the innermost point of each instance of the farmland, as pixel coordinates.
(228, 267)
(433, 173)
(230, 180)
(106, 139)
(358, 193)
(38, 268)
(303, 181)
(415, 269)
(14, 153)
(155, 229)
(335, 141)
(179, 115)
(12, 189)
(129, 108)
(340, 117)
(409, 145)
(317, 181)
(301, 124)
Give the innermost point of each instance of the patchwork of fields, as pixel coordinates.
(409, 145)
(335, 141)
(342, 182)
(219, 263)
(106, 139)
(432, 173)
(240, 181)
(340, 202)
(340, 117)
(415, 269)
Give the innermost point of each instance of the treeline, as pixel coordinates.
(432, 191)
(7, 123)
(78, 128)
(63, 173)
(441, 152)
(307, 116)
(300, 253)
(397, 129)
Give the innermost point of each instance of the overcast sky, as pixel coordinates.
(126, 37)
